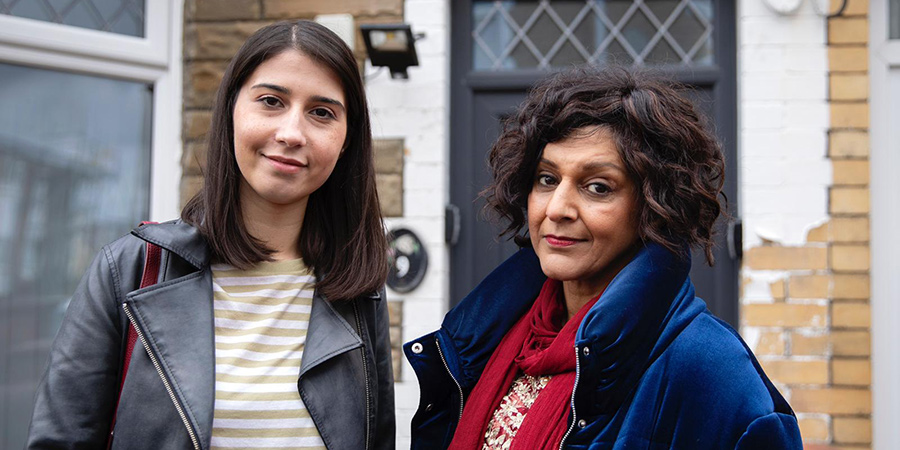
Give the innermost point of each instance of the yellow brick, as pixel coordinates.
(849, 115)
(193, 158)
(809, 286)
(852, 372)
(849, 200)
(850, 343)
(796, 372)
(848, 59)
(850, 172)
(848, 86)
(770, 343)
(786, 258)
(848, 144)
(803, 345)
(853, 8)
(850, 229)
(832, 400)
(850, 258)
(854, 287)
(819, 233)
(196, 124)
(785, 315)
(813, 429)
(849, 30)
(851, 315)
(190, 185)
(777, 289)
(852, 430)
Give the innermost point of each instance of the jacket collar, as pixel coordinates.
(177, 237)
(642, 310)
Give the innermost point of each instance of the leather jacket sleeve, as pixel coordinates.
(385, 426)
(76, 398)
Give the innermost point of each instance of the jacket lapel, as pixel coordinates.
(328, 335)
(176, 321)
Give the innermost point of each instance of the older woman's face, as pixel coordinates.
(582, 210)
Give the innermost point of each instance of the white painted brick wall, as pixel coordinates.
(783, 116)
(417, 110)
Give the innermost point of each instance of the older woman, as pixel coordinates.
(591, 336)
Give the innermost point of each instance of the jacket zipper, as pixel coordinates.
(458, 387)
(184, 418)
(562, 443)
(365, 372)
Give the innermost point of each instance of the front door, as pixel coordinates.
(501, 48)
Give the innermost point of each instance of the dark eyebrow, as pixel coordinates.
(328, 100)
(273, 87)
(591, 166)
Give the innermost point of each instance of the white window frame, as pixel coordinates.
(884, 58)
(154, 59)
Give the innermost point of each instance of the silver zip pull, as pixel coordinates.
(184, 418)
(562, 443)
(440, 352)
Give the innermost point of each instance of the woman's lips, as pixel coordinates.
(285, 164)
(560, 241)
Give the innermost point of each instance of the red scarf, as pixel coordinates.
(536, 346)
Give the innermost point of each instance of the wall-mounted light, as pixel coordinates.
(392, 46)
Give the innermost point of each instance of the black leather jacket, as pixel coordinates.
(167, 400)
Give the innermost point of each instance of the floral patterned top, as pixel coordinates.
(512, 410)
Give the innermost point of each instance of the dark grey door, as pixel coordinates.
(501, 48)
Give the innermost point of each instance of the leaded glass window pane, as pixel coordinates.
(513, 35)
(114, 16)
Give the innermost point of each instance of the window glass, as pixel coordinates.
(74, 175)
(512, 35)
(894, 19)
(114, 16)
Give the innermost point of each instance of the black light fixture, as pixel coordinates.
(392, 46)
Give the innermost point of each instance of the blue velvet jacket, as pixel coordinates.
(655, 370)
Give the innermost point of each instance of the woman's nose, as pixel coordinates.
(291, 132)
(561, 205)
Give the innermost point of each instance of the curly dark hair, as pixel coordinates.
(668, 149)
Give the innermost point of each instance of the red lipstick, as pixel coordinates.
(560, 241)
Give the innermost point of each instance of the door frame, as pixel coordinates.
(884, 57)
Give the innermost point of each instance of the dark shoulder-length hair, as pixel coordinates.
(342, 238)
(667, 147)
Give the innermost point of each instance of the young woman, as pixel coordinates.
(591, 336)
(267, 326)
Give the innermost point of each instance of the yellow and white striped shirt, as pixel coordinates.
(261, 318)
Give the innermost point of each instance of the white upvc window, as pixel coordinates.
(90, 144)
(155, 59)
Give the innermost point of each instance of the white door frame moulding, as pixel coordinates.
(155, 59)
(884, 57)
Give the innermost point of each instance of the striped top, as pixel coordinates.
(261, 318)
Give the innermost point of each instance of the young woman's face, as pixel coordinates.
(582, 210)
(290, 124)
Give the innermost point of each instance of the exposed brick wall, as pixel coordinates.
(813, 339)
(213, 32)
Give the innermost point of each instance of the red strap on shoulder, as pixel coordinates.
(151, 274)
(152, 259)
